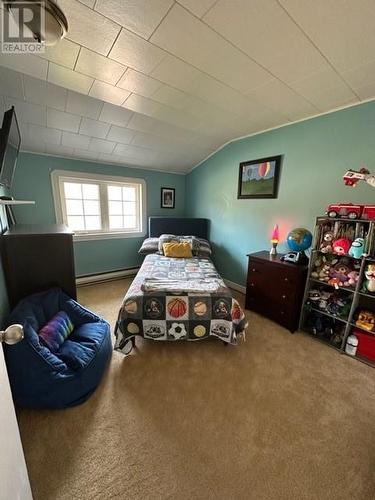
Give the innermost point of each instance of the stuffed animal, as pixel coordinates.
(339, 274)
(322, 267)
(357, 248)
(353, 277)
(326, 245)
(366, 320)
(369, 283)
(341, 246)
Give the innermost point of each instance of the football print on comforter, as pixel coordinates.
(174, 299)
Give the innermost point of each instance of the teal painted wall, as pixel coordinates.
(32, 182)
(315, 152)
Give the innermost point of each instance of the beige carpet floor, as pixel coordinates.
(278, 417)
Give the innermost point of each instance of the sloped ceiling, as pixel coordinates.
(162, 83)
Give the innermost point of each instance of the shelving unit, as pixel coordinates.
(354, 295)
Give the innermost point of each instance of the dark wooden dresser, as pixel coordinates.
(37, 257)
(275, 288)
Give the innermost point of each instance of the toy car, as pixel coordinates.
(351, 211)
(351, 177)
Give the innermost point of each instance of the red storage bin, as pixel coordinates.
(366, 344)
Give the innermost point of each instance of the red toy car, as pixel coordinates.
(351, 177)
(351, 211)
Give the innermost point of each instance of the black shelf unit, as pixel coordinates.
(354, 293)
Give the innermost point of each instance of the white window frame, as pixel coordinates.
(58, 177)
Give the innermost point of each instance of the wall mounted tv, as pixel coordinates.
(10, 142)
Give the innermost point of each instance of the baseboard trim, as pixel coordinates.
(236, 286)
(110, 276)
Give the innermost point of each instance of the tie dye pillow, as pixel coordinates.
(56, 331)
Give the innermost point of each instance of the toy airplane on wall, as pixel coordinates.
(351, 177)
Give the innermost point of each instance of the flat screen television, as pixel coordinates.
(10, 142)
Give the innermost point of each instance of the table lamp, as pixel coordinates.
(274, 240)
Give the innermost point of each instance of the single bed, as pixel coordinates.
(178, 298)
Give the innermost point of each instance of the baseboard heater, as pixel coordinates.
(91, 279)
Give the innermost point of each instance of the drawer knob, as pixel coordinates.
(286, 279)
(283, 296)
(253, 269)
(251, 284)
(282, 313)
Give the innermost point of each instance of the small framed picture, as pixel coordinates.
(167, 197)
(259, 178)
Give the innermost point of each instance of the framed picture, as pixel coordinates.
(167, 198)
(259, 178)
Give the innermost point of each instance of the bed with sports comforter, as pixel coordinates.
(174, 299)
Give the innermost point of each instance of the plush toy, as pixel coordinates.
(339, 274)
(357, 248)
(341, 246)
(322, 266)
(326, 245)
(353, 277)
(366, 320)
(369, 283)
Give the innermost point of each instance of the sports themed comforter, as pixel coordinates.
(173, 299)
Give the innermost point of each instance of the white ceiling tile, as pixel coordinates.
(139, 16)
(108, 93)
(57, 149)
(89, 3)
(75, 140)
(361, 75)
(25, 63)
(65, 53)
(44, 93)
(281, 99)
(343, 30)
(87, 155)
(27, 112)
(62, 120)
(69, 79)
(154, 142)
(120, 134)
(92, 64)
(44, 134)
(325, 90)
(132, 50)
(115, 115)
(33, 146)
(366, 91)
(101, 146)
(139, 83)
(83, 105)
(172, 97)
(197, 7)
(133, 151)
(89, 28)
(94, 128)
(282, 49)
(142, 105)
(11, 83)
(207, 50)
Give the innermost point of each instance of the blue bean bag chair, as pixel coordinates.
(64, 372)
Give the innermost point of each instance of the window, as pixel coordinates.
(99, 206)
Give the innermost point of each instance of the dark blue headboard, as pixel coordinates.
(177, 225)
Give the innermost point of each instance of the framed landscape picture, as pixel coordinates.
(167, 197)
(259, 178)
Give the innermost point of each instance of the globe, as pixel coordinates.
(299, 239)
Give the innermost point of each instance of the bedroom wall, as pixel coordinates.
(315, 152)
(32, 182)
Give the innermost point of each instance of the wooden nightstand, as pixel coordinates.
(275, 288)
